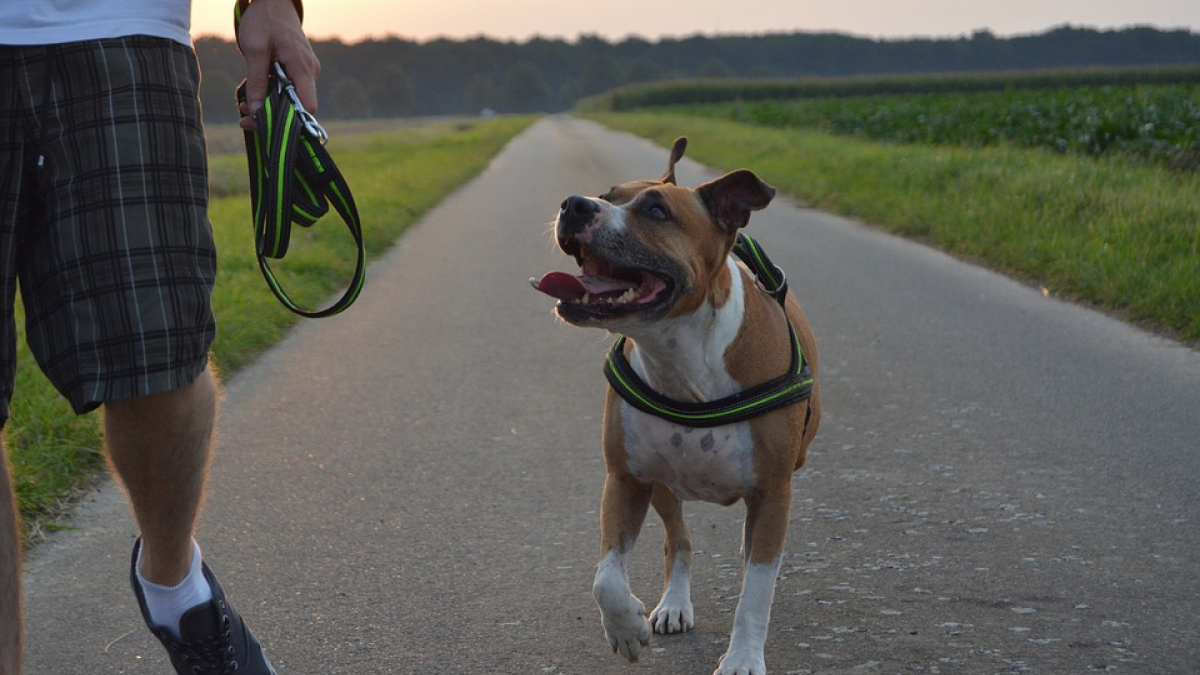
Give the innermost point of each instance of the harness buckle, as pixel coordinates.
(774, 293)
(309, 121)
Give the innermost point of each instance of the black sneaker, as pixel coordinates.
(214, 642)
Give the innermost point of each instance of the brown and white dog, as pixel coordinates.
(657, 268)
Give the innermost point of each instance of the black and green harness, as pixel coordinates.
(294, 180)
(792, 387)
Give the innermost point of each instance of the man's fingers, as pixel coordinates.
(306, 89)
(257, 67)
(271, 32)
(302, 68)
(302, 75)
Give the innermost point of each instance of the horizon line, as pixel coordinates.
(579, 37)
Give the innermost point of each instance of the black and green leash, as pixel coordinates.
(793, 386)
(294, 180)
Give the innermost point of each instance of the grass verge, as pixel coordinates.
(1108, 232)
(396, 176)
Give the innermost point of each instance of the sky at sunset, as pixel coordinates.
(355, 20)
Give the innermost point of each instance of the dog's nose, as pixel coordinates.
(575, 213)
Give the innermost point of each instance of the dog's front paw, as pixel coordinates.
(673, 615)
(742, 662)
(625, 627)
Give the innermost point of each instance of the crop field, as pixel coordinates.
(1111, 231)
(1148, 114)
(1160, 123)
(679, 92)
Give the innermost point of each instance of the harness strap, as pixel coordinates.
(793, 386)
(294, 180)
(769, 276)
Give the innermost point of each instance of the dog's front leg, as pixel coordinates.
(622, 512)
(762, 552)
(674, 613)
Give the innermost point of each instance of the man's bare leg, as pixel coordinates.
(159, 448)
(10, 575)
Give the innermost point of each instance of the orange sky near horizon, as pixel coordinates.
(355, 20)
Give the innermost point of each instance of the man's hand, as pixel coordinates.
(270, 32)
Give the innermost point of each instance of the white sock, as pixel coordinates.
(168, 604)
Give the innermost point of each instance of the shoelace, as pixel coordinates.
(213, 655)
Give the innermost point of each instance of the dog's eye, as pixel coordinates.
(657, 212)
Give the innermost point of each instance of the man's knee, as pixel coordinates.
(192, 403)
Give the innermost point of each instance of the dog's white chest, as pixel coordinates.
(712, 465)
(715, 464)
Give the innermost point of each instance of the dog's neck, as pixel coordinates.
(684, 357)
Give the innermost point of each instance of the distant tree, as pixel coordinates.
(350, 99)
(761, 71)
(480, 93)
(390, 91)
(217, 96)
(714, 67)
(592, 42)
(440, 70)
(643, 70)
(525, 89)
(568, 94)
(600, 75)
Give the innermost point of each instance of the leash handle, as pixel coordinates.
(294, 180)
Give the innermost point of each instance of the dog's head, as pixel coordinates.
(649, 249)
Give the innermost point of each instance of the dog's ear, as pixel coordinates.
(676, 155)
(732, 197)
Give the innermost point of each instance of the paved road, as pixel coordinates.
(1004, 483)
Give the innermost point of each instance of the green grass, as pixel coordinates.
(1119, 235)
(396, 177)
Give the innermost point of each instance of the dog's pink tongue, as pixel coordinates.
(561, 285)
(570, 287)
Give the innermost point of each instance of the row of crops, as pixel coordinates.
(1152, 115)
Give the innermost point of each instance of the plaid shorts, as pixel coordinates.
(103, 217)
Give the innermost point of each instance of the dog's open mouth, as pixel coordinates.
(603, 289)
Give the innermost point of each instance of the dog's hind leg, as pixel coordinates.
(765, 531)
(674, 613)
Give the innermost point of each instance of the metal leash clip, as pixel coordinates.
(774, 293)
(311, 126)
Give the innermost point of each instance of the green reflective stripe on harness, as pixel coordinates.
(294, 180)
(768, 275)
(792, 387)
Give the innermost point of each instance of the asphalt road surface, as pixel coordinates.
(1004, 482)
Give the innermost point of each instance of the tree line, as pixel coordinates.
(396, 77)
